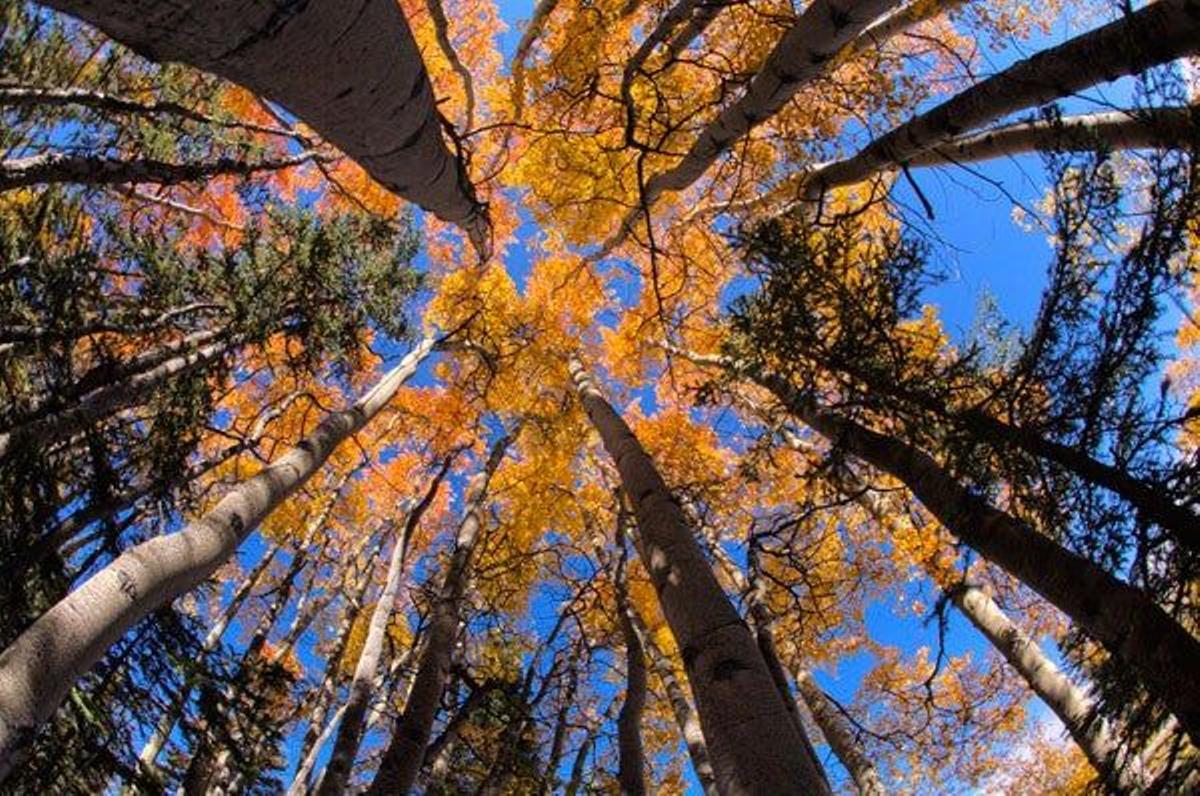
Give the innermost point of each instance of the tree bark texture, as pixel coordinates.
(754, 746)
(373, 99)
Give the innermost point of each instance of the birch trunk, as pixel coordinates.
(353, 589)
(1107, 131)
(755, 746)
(840, 736)
(374, 100)
(41, 665)
(1124, 619)
(806, 51)
(345, 747)
(1077, 711)
(1155, 34)
(55, 167)
(631, 764)
(410, 735)
(681, 708)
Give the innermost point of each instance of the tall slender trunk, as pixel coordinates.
(1121, 769)
(755, 746)
(681, 708)
(107, 401)
(806, 51)
(353, 589)
(838, 733)
(55, 167)
(406, 750)
(1155, 34)
(374, 101)
(1077, 711)
(41, 665)
(345, 747)
(1123, 618)
(631, 767)
(558, 738)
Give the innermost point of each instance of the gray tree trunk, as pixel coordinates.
(373, 100)
(631, 764)
(1077, 711)
(42, 664)
(754, 745)
(366, 671)
(840, 736)
(1155, 34)
(1124, 619)
(406, 750)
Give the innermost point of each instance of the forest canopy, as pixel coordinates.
(602, 396)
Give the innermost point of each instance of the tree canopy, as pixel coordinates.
(644, 396)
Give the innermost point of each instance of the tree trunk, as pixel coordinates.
(754, 744)
(1108, 131)
(681, 707)
(353, 589)
(406, 750)
(106, 401)
(41, 665)
(345, 747)
(1155, 34)
(1124, 619)
(373, 101)
(1078, 712)
(806, 51)
(55, 167)
(631, 766)
(840, 736)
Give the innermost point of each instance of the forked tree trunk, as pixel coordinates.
(755, 746)
(345, 747)
(373, 100)
(838, 733)
(410, 735)
(42, 664)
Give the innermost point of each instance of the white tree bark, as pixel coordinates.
(373, 99)
(366, 670)
(1124, 619)
(754, 745)
(107, 401)
(840, 736)
(804, 53)
(42, 664)
(1124, 773)
(1158, 33)
(410, 735)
